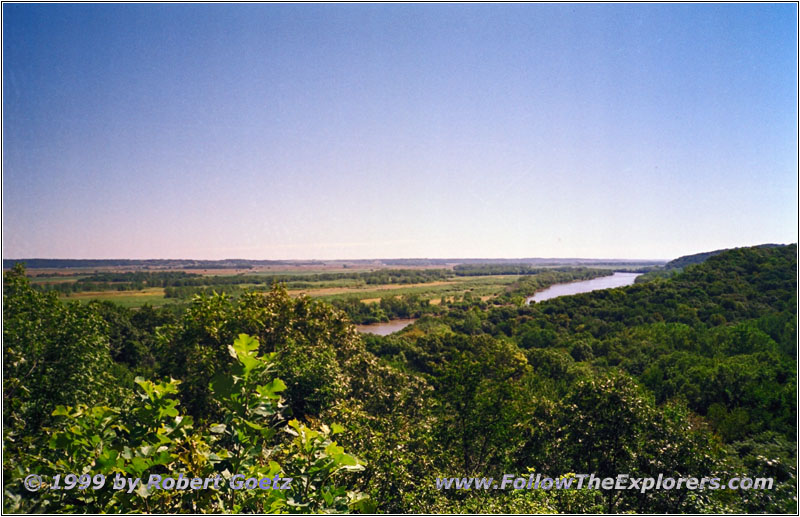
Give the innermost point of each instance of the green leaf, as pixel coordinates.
(253, 425)
(59, 441)
(362, 503)
(147, 386)
(276, 386)
(107, 459)
(162, 458)
(245, 345)
(346, 459)
(61, 411)
(249, 363)
(169, 409)
(334, 449)
(140, 464)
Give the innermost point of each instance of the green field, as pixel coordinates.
(328, 290)
(131, 299)
(135, 289)
(479, 286)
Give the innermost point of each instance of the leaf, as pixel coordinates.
(142, 490)
(253, 425)
(147, 386)
(218, 428)
(334, 449)
(168, 410)
(140, 464)
(276, 386)
(296, 427)
(362, 503)
(346, 459)
(59, 441)
(249, 363)
(245, 345)
(107, 459)
(61, 411)
(162, 458)
(274, 468)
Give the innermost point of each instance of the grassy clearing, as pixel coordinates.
(483, 286)
(56, 279)
(153, 296)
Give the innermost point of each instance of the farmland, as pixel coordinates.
(142, 283)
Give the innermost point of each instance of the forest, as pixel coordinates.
(687, 374)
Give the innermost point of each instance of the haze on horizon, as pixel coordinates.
(347, 131)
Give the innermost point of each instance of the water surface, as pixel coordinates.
(384, 329)
(554, 291)
(584, 286)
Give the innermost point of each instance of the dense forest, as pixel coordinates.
(691, 375)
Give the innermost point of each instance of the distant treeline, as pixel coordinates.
(516, 269)
(496, 269)
(38, 263)
(384, 276)
(35, 263)
(132, 281)
(159, 279)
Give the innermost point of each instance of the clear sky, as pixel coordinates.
(364, 131)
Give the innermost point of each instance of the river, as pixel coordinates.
(584, 286)
(554, 291)
(384, 329)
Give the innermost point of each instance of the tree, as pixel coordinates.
(476, 388)
(53, 353)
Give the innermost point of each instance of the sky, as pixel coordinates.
(325, 131)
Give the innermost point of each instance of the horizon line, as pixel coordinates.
(231, 259)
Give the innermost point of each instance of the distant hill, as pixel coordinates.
(687, 260)
(677, 265)
(698, 258)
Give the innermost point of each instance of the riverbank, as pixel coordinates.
(618, 279)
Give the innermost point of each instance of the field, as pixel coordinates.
(131, 299)
(482, 286)
(364, 281)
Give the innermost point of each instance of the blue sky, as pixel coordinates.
(360, 131)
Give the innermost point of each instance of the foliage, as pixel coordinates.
(52, 354)
(155, 438)
(691, 375)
